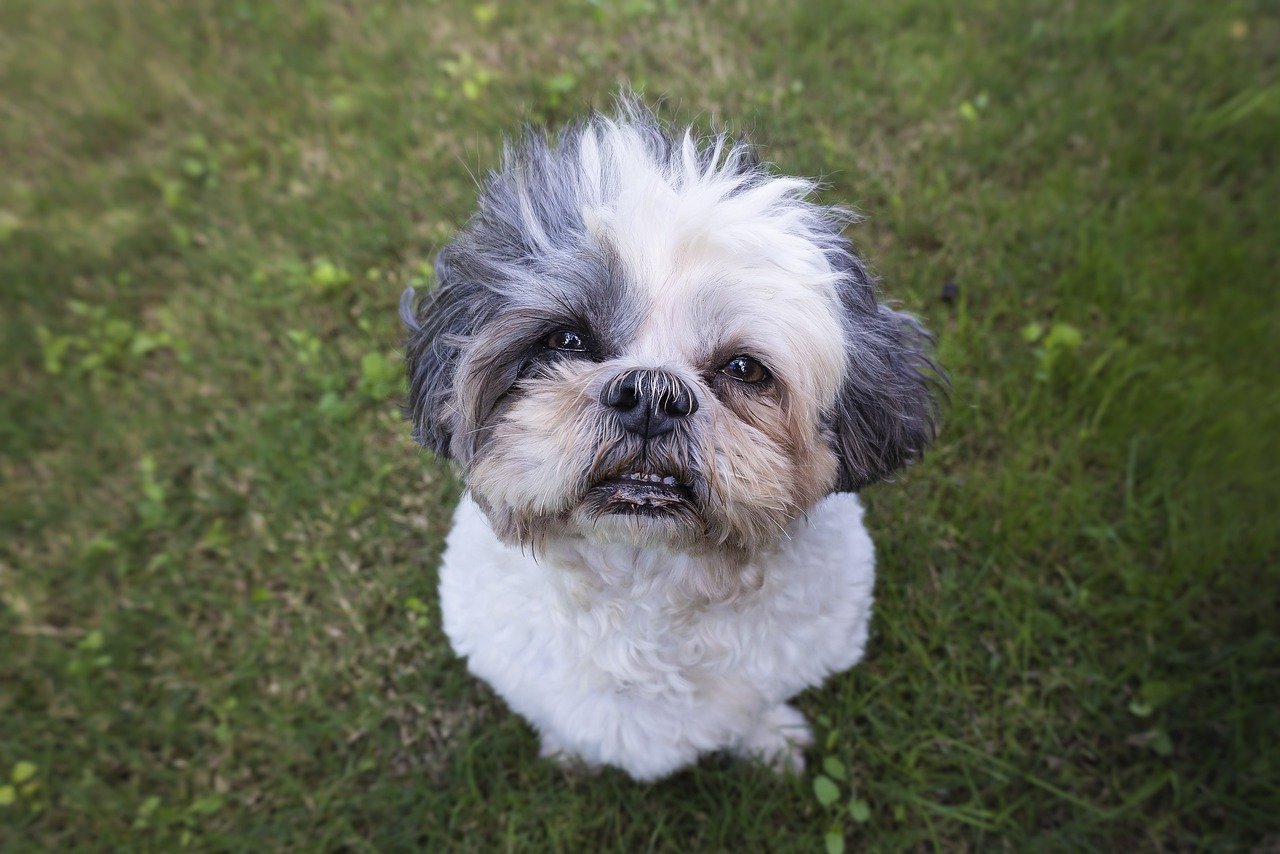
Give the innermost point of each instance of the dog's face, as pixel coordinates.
(645, 340)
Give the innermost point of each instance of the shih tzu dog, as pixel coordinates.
(664, 374)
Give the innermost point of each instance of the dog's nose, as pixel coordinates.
(649, 403)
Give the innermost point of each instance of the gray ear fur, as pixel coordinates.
(438, 325)
(887, 411)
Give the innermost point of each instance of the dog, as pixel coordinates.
(664, 374)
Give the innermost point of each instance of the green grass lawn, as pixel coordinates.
(218, 620)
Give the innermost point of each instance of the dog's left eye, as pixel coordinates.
(745, 369)
(565, 339)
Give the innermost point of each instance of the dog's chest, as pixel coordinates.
(650, 646)
(548, 630)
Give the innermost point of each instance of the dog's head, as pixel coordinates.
(641, 337)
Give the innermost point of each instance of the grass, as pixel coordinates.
(217, 600)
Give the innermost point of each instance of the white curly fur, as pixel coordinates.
(611, 671)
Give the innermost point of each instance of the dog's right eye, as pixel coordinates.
(566, 339)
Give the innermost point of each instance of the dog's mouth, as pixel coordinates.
(642, 492)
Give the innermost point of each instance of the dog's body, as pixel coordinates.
(662, 370)
(619, 668)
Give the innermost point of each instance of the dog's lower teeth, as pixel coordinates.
(641, 477)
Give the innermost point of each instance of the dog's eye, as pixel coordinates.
(565, 339)
(745, 369)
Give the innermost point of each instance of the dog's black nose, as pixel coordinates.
(648, 402)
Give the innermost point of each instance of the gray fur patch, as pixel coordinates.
(887, 411)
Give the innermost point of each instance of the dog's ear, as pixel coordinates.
(439, 327)
(887, 410)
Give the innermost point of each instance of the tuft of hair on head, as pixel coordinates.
(409, 310)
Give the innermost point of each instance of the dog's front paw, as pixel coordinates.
(778, 740)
